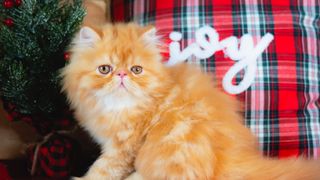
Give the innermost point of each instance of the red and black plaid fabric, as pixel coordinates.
(56, 157)
(4, 174)
(282, 106)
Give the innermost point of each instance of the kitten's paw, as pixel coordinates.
(134, 176)
(77, 178)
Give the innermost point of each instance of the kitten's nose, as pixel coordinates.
(122, 73)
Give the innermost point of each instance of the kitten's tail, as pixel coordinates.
(271, 169)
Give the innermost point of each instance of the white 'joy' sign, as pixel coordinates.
(207, 43)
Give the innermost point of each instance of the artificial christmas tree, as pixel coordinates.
(33, 40)
(34, 37)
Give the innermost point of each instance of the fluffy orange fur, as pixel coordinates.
(98, 12)
(164, 122)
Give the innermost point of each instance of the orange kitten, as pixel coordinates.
(160, 122)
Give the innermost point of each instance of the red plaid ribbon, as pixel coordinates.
(53, 157)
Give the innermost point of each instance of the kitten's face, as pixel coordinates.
(120, 68)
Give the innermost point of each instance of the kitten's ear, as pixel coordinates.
(150, 36)
(87, 36)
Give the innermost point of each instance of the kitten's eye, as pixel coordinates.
(104, 69)
(136, 69)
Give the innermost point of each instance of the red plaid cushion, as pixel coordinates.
(4, 172)
(282, 105)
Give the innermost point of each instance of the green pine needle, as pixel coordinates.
(32, 52)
